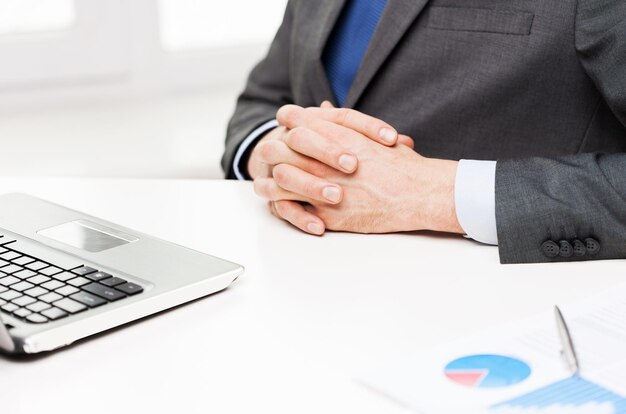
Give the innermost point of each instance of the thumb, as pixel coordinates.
(327, 105)
(406, 140)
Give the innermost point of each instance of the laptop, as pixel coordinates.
(65, 275)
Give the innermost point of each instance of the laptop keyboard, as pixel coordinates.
(38, 291)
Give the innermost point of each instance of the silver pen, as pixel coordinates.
(568, 352)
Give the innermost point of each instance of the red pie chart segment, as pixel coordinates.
(467, 378)
(487, 371)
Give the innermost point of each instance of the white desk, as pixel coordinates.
(291, 334)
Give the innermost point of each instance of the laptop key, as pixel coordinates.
(3, 288)
(66, 290)
(21, 312)
(36, 291)
(2, 249)
(25, 274)
(22, 286)
(97, 276)
(130, 288)
(84, 270)
(44, 254)
(24, 300)
(10, 295)
(36, 318)
(12, 268)
(88, 299)
(64, 276)
(36, 265)
(113, 281)
(9, 307)
(39, 279)
(79, 281)
(8, 281)
(50, 297)
(3, 263)
(51, 285)
(104, 292)
(23, 260)
(53, 313)
(50, 270)
(69, 305)
(37, 306)
(9, 256)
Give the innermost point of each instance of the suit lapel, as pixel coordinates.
(395, 21)
(320, 86)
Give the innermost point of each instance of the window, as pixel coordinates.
(33, 16)
(64, 50)
(195, 24)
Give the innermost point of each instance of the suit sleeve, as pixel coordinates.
(575, 198)
(267, 89)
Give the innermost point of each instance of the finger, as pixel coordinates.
(405, 140)
(269, 189)
(294, 180)
(369, 126)
(270, 206)
(295, 214)
(402, 139)
(292, 116)
(322, 148)
(325, 137)
(278, 152)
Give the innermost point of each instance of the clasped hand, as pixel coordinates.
(337, 169)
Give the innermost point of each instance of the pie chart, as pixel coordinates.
(487, 371)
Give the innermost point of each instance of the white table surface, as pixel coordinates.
(293, 333)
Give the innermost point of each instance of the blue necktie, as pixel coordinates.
(348, 43)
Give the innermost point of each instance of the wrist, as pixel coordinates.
(447, 220)
(438, 202)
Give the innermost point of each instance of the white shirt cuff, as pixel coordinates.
(475, 198)
(250, 139)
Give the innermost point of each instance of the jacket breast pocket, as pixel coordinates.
(465, 19)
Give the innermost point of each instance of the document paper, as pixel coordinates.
(518, 368)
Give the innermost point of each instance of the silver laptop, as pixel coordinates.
(65, 275)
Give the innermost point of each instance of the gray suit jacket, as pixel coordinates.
(539, 85)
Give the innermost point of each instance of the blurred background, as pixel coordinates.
(124, 88)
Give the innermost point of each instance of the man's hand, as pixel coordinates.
(394, 188)
(313, 148)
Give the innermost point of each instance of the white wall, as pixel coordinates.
(137, 88)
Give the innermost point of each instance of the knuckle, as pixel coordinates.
(273, 192)
(260, 187)
(265, 150)
(331, 150)
(318, 169)
(280, 173)
(282, 208)
(287, 114)
(267, 188)
(294, 136)
(310, 188)
(343, 115)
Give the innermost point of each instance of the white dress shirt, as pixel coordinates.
(474, 190)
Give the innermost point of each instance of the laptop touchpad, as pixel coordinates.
(87, 235)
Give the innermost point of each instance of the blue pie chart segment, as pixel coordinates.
(487, 371)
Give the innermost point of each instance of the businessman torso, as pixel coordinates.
(482, 79)
(538, 85)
